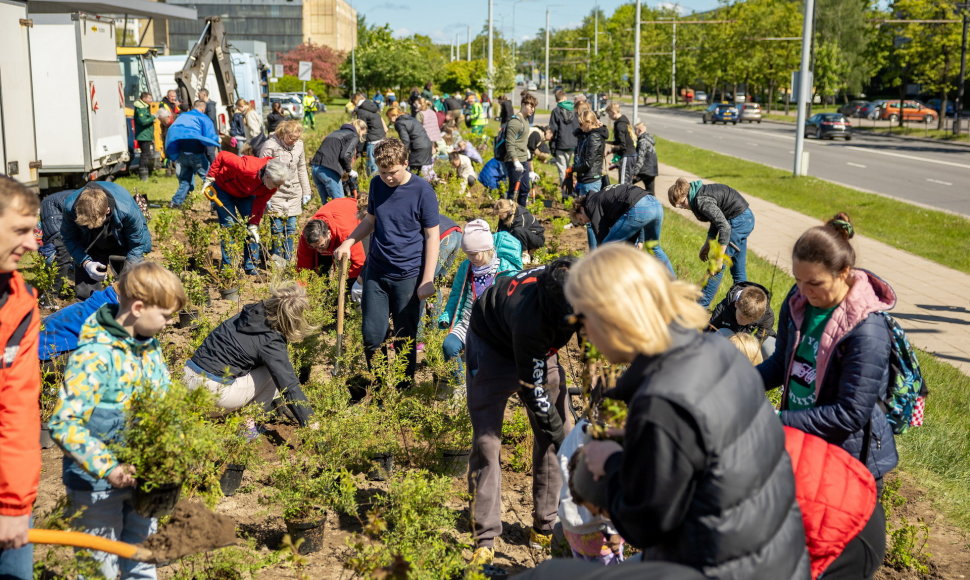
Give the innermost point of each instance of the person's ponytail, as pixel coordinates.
(842, 224)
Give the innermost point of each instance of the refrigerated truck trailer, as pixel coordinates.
(18, 149)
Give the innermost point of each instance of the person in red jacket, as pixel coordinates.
(327, 229)
(244, 186)
(19, 381)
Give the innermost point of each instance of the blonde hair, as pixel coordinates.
(289, 128)
(393, 113)
(17, 196)
(91, 207)
(284, 311)
(582, 106)
(486, 256)
(152, 284)
(588, 117)
(678, 191)
(361, 127)
(748, 345)
(505, 210)
(632, 294)
(613, 107)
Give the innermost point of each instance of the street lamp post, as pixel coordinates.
(547, 58)
(673, 66)
(636, 66)
(804, 84)
(963, 69)
(491, 64)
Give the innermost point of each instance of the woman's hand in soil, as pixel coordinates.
(596, 453)
(122, 476)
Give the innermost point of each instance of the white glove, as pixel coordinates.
(533, 176)
(253, 231)
(96, 270)
(357, 291)
(518, 166)
(306, 198)
(207, 182)
(353, 174)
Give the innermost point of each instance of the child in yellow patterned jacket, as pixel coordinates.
(117, 354)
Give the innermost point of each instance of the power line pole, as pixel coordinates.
(673, 67)
(963, 70)
(468, 37)
(547, 57)
(491, 64)
(804, 84)
(636, 66)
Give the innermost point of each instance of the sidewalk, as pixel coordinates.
(932, 300)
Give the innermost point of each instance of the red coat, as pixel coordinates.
(242, 177)
(341, 216)
(835, 492)
(19, 399)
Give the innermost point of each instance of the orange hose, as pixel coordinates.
(82, 540)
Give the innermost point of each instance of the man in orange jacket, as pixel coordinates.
(326, 230)
(19, 381)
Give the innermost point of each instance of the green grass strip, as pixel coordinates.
(931, 234)
(936, 455)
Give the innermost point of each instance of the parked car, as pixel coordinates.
(871, 109)
(291, 103)
(721, 113)
(829, 126)
(912, 111)
(750, 112)
(852, 108)
(700, 97)
(935, 105)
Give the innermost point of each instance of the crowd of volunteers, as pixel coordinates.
(705, 478)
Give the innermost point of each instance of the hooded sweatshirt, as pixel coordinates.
(368, 112)
(563, 124)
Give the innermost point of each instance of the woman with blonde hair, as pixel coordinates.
(519, 221)
(702, 477)
(587, 169)
(288, 201)
(245, 359)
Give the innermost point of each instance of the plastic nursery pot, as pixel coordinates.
(229, 293)
(547, 203)
(454, 462)
(158, 502)
(187, 318)
(231, 478)
(46, 441)
(382, 464)
(310, 530)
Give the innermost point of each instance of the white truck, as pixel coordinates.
(18, 150)
(79, 103)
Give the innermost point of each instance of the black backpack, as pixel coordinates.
(500, 147)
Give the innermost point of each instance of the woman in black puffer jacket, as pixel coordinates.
(591, 147)
(702, 478)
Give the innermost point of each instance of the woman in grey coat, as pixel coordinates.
(288, 201)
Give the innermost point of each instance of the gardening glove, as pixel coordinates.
(306, 198)
(357, 291)
(353, 174)
(96, 270)
(207, 182)
(518, 166)
(253, 231)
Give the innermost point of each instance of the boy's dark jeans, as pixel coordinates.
(399, 299)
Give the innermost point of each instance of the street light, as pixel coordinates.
(636, 67)
(963, 7)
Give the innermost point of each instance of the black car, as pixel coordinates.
(828, 126)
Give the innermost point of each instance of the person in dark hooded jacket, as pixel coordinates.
(587, 169)
(702, 477)
(245, 359)
(335, 158)
(369, 112)
(833, 349)
(563, 124)
(747, 309)
(516, 327)
(645, 168)
(624, 143)
(415, 138)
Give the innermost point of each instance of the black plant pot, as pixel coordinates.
(46, 441)
(310, 531)
(382, 464)
(231, 478)
(187, 318)
(547, 203)
(158, 502)
(229, 293)
(454, 462)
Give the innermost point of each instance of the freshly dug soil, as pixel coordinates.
(191, 529)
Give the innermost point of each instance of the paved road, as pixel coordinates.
(932, 174)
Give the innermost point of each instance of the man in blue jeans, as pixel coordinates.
(402, 213)
(517, 164)
(186, 142)
(335, 158)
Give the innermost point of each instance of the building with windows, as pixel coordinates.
(281, 24)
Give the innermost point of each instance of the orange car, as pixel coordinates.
(912, 111)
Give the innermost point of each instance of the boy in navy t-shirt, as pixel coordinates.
(402, 213)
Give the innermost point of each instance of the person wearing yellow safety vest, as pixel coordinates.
(309, 108)
(476, 115)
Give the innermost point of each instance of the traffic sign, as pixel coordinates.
(306, 70)
(278, 71)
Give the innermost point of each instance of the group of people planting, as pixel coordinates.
(704, 477)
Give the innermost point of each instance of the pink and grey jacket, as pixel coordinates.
(852, 370)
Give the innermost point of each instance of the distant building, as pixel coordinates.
(281, 24)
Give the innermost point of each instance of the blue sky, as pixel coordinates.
(442, 20)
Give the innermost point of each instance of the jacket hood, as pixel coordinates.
(602, 130)
(508, 249)
(348, 126)
(95, 332)
(867, 294)
(368, 105)
(252, 319)
(565, 105)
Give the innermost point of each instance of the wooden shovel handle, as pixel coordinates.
(82, 540)
(341, 296)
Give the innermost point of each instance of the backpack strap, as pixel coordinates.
(12, 347)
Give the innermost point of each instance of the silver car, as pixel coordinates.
(750, 112)
(291, 103)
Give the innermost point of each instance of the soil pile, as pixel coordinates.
(191, 529)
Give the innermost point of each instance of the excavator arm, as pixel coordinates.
(212, 49)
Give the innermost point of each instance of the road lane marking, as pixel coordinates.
(750, 144)
(891, 154)
(855, 164)
(930, 179)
